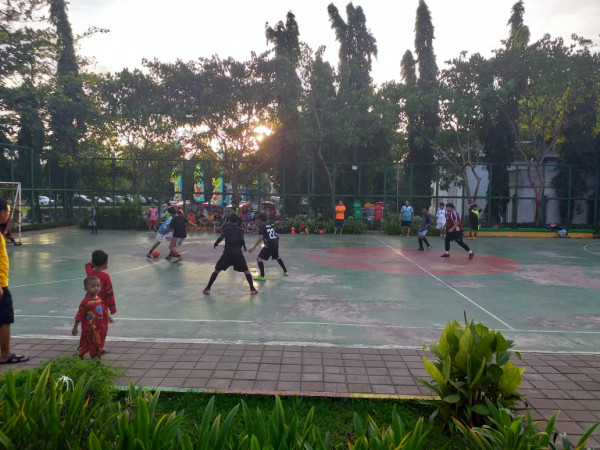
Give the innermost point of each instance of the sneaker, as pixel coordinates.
(428, 247)
(104, 351)
(253, 292)
(471, 255)
(421, 249)
(260, 278)
(474, 237)
(287, 274)
(206, 291)
(149, 255)
(469, 238)
(445, 255)
(177, 260)
(168, 258)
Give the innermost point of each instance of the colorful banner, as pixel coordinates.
(198, 184)
(218, 187)
(217, 198)
(176, 180)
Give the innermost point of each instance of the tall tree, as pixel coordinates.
(496, 132)
(422, 155)
(68, 105)
(282, 147)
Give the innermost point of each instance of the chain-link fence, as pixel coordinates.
(510, 195)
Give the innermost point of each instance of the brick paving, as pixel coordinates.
(566, 382)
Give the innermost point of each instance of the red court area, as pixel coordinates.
(411, 261)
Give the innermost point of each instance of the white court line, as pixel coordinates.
(585, 248)
(447, 285)
(327, 324)
(112, 273)
(272, 343)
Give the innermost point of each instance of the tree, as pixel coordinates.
(421, 156)
(496, 131)
(282, 147)
(67, 105)
(560, 80)
(318, 118)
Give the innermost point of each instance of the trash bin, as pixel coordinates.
(378, 210)
(357, 210)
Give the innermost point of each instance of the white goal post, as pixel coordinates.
(11, 192)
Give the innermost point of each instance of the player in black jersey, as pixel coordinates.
(270, 238)
(232, 254)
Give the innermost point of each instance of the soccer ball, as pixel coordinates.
(155, 253)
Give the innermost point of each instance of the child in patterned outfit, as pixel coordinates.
(91, 313)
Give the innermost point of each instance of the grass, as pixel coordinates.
(331, 414)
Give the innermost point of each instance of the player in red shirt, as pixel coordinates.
(90, 314)
(455, 232)
(97, 268)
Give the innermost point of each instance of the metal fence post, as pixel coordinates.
(596, 195)
(570, 193)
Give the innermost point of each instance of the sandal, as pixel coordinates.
(13, 359)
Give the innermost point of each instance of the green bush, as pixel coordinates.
(472, 367)
(392, 224)
(50, 413)
(512, 431)
(128, 216)
(351, 226)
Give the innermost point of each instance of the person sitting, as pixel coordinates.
(303, 228)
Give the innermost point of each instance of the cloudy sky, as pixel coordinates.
(188, 29)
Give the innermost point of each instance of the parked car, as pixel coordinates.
(81, 200)
(108, 201)
(45, 201)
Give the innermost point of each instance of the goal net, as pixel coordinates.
(11, 192)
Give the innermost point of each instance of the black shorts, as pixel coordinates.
(339, 223)
(236, 260)
(406, 223)
(7, 315)
(454, 235)
(269, 252)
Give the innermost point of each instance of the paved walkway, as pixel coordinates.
(566, 382)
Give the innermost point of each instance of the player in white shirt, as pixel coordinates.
(440, 217)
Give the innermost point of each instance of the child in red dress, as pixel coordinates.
(97, 268)
(91, 313)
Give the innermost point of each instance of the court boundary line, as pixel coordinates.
(447, 285)
(276, 343)
(586, 250)
(327, 324)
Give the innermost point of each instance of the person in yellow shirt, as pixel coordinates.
(7, 315)
(340, 212)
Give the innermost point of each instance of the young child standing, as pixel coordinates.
(91, 314)
(440, 217)
(152, 218)
(232, 254)
(97, 268)
(269, 236)
(163, 230)
(426, 220)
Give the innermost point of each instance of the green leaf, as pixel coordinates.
(481, 409)
(510, 380)
(434, 373)
(452, 398)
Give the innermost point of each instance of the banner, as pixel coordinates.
(218, 187)
(176, 180)
(198, 184)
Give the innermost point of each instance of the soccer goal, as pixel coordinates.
(11, 192)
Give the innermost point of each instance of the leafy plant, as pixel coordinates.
(472, 366)
(128, 216)
(511, 431)
(50, 413)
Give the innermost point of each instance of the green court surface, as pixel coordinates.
(369, 290)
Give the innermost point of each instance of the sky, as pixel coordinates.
(189, 29)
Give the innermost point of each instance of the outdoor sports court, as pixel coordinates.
(372, 290)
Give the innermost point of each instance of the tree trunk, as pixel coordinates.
(327, 171)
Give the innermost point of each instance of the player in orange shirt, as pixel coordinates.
(340, 212)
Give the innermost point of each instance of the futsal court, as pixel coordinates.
(371, 290)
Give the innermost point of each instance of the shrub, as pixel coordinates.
(392, 224)
(128, 216)
(512, 431)
(472, 366)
